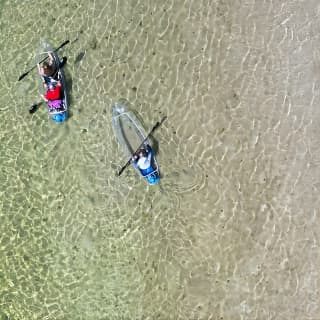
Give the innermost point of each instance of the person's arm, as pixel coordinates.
(134, 160)
(44, 98)
(40, 70)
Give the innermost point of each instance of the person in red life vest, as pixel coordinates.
(53, 92)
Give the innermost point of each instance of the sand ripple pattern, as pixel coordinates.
(232, 232)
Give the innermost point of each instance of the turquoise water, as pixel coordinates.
(232, 231)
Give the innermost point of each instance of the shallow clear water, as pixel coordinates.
(232, 232)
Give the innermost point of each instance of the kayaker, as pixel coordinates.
(48, 68)
(143, 159)
(53, 92)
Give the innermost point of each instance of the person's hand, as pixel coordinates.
(40, 71)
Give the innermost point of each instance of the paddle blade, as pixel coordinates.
(158, 124)
(22, 76)
(33, 108)
(62, 45)
(162, 120)
(123, 168)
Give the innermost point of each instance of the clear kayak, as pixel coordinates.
(58, 109)
(130, 135)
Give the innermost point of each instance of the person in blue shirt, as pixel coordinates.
(143, 159)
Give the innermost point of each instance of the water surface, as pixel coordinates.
(232, 233)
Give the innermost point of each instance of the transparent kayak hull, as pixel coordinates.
(130, 134)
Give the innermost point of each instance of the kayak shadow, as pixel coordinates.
(154, 143)
(69, 87)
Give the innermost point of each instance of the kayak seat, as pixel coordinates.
(55, 105)
(147, 171)
(151, 174)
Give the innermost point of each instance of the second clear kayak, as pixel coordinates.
(130, 134)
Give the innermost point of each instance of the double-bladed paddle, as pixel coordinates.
(158, 124)
(26, 73)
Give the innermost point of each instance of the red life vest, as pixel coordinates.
(54, 94)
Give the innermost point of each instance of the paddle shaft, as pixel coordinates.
(26, 73)
(149, 134)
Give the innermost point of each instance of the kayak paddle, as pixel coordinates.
(150, 133)
(26, 73)
(34, 107)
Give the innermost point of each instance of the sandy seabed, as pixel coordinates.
(232, 232)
